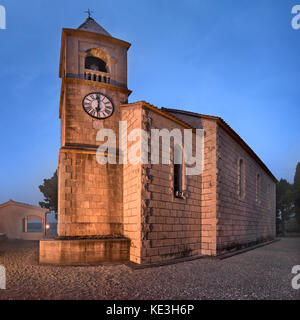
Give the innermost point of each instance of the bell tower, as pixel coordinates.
(93, 69)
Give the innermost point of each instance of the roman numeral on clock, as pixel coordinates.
(98, 105)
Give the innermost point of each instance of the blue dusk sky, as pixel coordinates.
(236, 59)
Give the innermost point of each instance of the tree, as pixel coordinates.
(50, 191)
(284, 200)
(297, 193)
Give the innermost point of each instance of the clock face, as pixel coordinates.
(98, 106)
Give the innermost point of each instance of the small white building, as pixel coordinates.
(15, 219)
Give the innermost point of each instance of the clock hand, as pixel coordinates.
(98, 108)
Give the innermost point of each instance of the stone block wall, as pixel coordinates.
(165, 227)
(247, 219)
(209, 188)
(90, 196)
(175, 228)
(132, 189)
(77, 126)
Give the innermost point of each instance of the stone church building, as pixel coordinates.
(146, 213)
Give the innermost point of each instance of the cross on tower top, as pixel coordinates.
(89, 12)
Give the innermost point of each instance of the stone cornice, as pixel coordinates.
(83, 149)
(90, 83)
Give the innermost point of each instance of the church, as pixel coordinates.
(140, 211)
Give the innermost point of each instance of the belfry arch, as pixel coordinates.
(97, 65)
(96, 53)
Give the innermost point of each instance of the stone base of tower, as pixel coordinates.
(82, 252)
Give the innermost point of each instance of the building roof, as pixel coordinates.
(92, 26)
(24, 205)
(229, 130)
(171, 114)
(160, 112)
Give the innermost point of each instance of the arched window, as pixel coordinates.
(258, 188)
(241, 179)
(96, 64)
(269, 196)
(178, 172)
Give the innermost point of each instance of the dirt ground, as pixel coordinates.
(263, 273)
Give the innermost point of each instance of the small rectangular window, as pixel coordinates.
(178, 172)
(177, 178)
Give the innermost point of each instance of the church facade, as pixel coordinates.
(144, 212)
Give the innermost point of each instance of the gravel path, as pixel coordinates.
(264, 273)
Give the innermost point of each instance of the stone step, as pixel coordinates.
(84, 252)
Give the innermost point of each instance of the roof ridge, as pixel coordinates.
(21, 204)
(231, 131)
(161, 111)
(190, 113)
